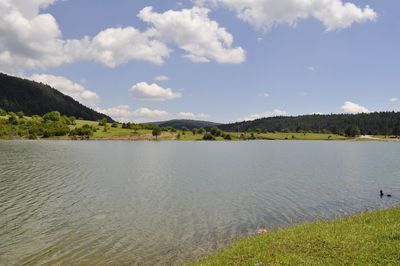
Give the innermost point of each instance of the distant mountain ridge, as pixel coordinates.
(378, 123)
(190, 124)
(33, 98)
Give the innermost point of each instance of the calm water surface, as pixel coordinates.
(148, 203)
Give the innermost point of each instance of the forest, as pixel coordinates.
(33, 98)
(378, 123)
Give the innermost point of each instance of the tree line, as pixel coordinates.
(378, 123)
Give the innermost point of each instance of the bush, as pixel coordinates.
(12, 120)
(228, 137)
(20, 114)
(52, 129)
(103, 122)
(85, 130)
(3, 112)
(114, 125)
(208, 136)
(52, 116)
(352, 131)
(156, 132)
(216, 131)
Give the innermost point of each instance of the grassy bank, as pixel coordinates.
(35, 128)
(129, 134)
(371, 238)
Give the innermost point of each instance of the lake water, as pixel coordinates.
(149, 203)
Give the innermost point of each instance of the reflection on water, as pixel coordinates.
(168, 202)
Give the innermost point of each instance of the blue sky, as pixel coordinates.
(263, 57)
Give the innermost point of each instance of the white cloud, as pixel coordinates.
(353, 108)
(68, 87)
(153, 92)
(393, 99)
(265, 94)
(29, 39)
(116, 46)
(192, 30)
(189, 115)
(311, 68)
(264, 14)
(124, 113)
(275, 112)
(161, 78)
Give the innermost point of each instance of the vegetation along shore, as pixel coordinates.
(53, 125)
(371, 238)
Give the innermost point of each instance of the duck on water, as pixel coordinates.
(388, 195)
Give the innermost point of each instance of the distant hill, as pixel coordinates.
(33, 98)
(190, 124)
(383, 123)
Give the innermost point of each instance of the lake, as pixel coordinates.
(149, 203)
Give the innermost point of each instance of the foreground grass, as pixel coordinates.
(371, 238)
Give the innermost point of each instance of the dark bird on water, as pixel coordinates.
(381, 193)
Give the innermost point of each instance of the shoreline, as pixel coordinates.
(367, 238)
(169, 138)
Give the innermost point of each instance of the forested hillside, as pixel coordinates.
(190, 124)
(32, 98)
(383, 123)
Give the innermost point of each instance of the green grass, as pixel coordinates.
(371, 238)
(293, 136)
(129, 134)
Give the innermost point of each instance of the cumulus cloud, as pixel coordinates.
(68, 87)
(116, 46)
(124, 113)
(273, 113)
(264, 14)
(153, 92)
(189, 115)
(353, 108)
(161, 78)
(393, 99)
(29, 39)
(202, 39)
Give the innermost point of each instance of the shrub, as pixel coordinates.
(208, 136)
(215, 131)
(103, 122)
(156, 132)
(3, 112)
(52, 116)
(20, 114)
(85, 130)
(228, 137)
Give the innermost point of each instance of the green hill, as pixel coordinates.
(383, 123)
(33, 98)
(190, 124)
